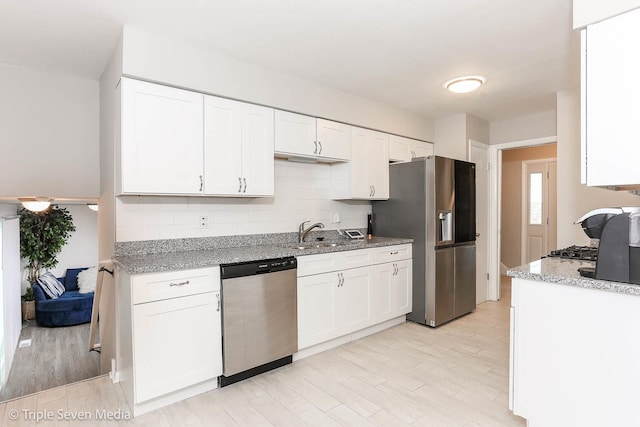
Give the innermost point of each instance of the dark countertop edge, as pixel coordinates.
(572, 278)
(172, 261)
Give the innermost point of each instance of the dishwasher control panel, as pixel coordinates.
(250, 268)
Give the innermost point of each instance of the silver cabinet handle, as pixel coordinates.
(240, 183)
(245, 185)
(218, 297)
(413, 154)
(339, 280)
(315, 150)
(320, 144)
(186, 282)
(201, 183)
(396, 268)
(370, 190)
(374, 190)
(394, 253)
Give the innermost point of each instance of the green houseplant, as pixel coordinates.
(42, 236)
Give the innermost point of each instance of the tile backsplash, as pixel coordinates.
(302, 192)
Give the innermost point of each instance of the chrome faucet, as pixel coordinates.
(302, 233)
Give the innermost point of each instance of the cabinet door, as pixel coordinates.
(161, 141)
(403, 287)
(613, 101)
(177, 343)
(257, 151)
(317, 309)
(378, 164)
(355, 299)
(383, 289)
(295, 134)
(222, 146)
(421, 149)
(399, 149)
(334, 140)
(360, 185)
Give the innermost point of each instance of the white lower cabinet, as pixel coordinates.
(169, 348)
(375, 287)
(333, 304)
(392, 289)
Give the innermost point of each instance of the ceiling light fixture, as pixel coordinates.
(93, 206)
(464, 84)
(35, 204)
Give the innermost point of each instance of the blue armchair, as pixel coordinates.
(70, 308)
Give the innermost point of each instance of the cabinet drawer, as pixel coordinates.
(161, 286)
(392, 253)
(324, 263)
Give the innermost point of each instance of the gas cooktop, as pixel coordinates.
(584, 253)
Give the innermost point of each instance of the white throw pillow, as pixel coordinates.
(87, 280)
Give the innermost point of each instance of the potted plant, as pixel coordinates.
(42, 236)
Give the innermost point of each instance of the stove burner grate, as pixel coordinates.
(585, 253)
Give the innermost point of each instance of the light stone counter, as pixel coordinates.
(565, 272)
(199, 258)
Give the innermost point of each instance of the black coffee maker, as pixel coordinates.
(619, 249)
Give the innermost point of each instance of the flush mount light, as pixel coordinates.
(35, 204)
(93, 206)
(464, 84)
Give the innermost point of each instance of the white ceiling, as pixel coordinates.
(396, 51)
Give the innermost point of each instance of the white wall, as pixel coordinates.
(302, 192)
(81, 249)
(454, 132)
(589, 11)
(49, 134)
(451, 137)
(575, 199)
(520, 128)
(10, 303)
(155, 58)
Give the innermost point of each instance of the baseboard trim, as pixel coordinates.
(336, 342)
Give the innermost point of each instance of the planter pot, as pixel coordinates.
(28, 310)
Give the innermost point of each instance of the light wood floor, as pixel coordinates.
(57, 356)
(455, 375)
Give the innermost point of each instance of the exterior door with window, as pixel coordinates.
(536, 210)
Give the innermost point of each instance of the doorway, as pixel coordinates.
(525, 233)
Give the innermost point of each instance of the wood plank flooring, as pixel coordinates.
(455, 375)
(57, 356)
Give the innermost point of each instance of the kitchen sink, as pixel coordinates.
(314, 245)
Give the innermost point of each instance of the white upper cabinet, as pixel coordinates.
(403, 149)
(366, 176)
(238, 148)
(161, 140)
(297, 135)
(611, 102)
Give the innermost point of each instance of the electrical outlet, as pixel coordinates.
(203, 221)
(335, 218)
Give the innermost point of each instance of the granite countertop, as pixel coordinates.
(565, 272)
(180, 260)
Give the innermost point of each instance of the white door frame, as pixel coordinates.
(473, 143)
(495, 214)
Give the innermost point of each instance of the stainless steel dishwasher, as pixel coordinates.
(259, 317)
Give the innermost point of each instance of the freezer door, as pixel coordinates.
(444, 287)
(465, 279)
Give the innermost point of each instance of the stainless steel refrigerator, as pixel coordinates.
(433, 201)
